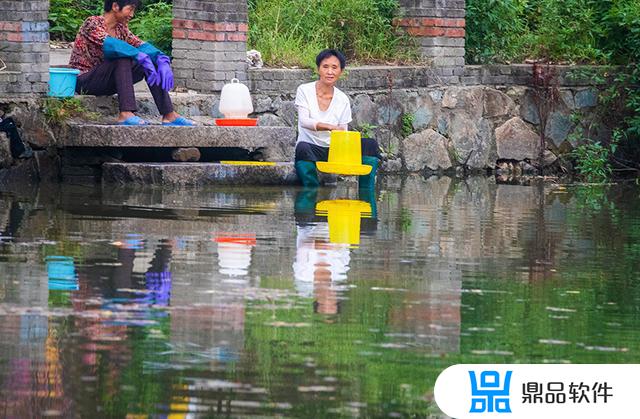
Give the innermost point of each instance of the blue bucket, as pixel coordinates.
(62, 81)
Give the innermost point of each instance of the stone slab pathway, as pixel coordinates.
(198, 174)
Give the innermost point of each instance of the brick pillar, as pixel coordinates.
(209, 43)
(24, 46)
(438, 28)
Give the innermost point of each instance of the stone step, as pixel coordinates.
(200, 174)
(203, 108)
(276, 144)
(187, 104)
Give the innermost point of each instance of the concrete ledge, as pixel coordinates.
(286, 81)
(199, 174)
(275, 143)
(187, 104)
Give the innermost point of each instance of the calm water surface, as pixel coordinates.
(250, 302)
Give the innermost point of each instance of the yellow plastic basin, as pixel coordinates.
(343, 169)
(345, 155)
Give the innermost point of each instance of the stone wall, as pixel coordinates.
(406, 77)
(209, 43)
(355, 78)
(451, 126)
(24, 46)
(490, 117)
(422, 127)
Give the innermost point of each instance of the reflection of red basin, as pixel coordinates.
(248, 240)
(237, 122)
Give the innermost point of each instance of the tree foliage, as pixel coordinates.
(584, 31)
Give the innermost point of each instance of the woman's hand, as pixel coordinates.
(321, 126)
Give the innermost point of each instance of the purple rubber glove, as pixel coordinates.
(164, 69)
(153, 78)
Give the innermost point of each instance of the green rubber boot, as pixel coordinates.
(307, 173)
(306, 200)
(369, 195)
(369, 181)
(305, 207)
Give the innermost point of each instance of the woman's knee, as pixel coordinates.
(123, 61)
(370, 147)
(130, 65)
(302, 151)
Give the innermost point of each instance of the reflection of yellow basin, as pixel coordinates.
(248, 163)
(343, 216)
(345, 155)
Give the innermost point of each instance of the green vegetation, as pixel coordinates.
(494, 30)
(66, 16)
(592, 161)
(617, 115)
(407, 124)
(584, 31)
(59, 110)
(405, 220)
(622, 101)
(291, 32)
(153, 24)
(367, 130)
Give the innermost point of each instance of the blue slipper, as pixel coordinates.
(133, 121)
(179, 122)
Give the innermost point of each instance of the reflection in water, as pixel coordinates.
(234, 254)
(62, 273)
(343, 218)
(325, 232)
(118, 302)
(11, 219)
(541, 244)
(319, 266)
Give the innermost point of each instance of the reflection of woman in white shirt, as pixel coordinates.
(320, 266)
(323, 108)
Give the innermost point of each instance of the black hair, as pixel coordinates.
(326, 53)
(108, 4)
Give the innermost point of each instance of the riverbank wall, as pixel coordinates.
(489, 120)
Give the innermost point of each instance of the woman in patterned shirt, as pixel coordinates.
(119, 71)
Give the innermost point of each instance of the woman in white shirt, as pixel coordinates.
(323, 108)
